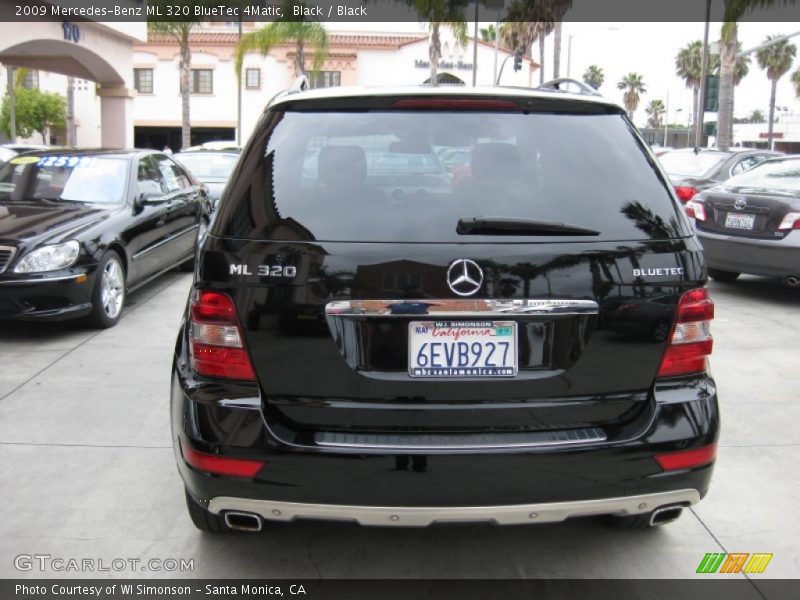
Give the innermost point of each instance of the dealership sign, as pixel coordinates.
(444, 64)
(778, 135)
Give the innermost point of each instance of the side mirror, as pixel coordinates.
(150, 192)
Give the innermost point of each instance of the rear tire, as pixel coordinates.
(723, 276)
(108, 295)
(203, 519)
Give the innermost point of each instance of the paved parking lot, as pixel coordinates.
(87, 470)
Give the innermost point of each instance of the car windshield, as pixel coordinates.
(208, 165)
(67, 178)
(776, 175)
(376, 176)
(689, 164)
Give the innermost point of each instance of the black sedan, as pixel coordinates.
(211, 167)
(749, 224)
(694, 170)
(81, 228)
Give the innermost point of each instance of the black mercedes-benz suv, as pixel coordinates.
(370, 338)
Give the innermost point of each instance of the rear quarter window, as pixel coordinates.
(378, 176)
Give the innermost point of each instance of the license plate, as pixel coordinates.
(739, 221)
(444, 349)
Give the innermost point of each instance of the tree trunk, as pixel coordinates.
(71, 141)
(771, 126)
(696, 108)
(300, 59)
(541, 59)
(12, 111)
(557, 50)
(185, 68)
(434, 51)
(727, 61)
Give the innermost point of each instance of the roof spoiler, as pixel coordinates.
(556, 84)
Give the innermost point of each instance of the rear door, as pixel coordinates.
(370, 308)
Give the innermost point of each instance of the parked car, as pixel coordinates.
(211, 167)
(218, 145)
(749, 223)
(79, 229)
(694, 170)
(348, 353)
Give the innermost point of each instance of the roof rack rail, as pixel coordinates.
(556, 84)
(300, 84)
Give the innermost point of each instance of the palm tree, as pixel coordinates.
(522, 34)
(654, 110)
(776, 60)
(633, 85)
(796, 82)
(544, 16)
(734, 10)
(688, 66)
(302, 33)
(594, 76)
(437, 13)
(756, 117)
(179, 31)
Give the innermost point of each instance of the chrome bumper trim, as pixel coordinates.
(459, 308)
(461, 441)
(40, 280)
(422, 516)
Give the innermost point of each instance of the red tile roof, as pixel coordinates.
(358, 40)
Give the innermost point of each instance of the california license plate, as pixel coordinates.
(739, 221)
(462, 349)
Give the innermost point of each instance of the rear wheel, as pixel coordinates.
(203, 519)
(723, 276)
(108, 295)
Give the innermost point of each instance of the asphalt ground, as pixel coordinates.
(87, 470)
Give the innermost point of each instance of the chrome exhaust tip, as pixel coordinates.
(665, 514)
(792, 281)
(243, 521)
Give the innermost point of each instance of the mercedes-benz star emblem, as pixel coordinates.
(740, 204)
(464, 277)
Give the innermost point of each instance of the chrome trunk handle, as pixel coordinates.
(460, 307)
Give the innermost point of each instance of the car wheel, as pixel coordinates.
(203, 519)
(723, 276)
(108, 296)
(202, 231)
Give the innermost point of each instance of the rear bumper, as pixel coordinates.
(422, 516)
(769, 258)
(503, 485)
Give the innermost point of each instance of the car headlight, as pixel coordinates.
(49, 258)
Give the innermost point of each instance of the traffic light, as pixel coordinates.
(712, 93)
(517, 59)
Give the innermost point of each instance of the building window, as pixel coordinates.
(201, 81)
(143, 80)
(324, 79)
(31, 80)
(253, 79)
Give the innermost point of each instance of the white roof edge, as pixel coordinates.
(441, 90)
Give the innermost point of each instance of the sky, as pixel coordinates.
(648, 49)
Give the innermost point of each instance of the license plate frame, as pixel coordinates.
(470, 332)
(741, 221)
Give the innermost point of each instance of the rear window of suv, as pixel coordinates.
(377, 176)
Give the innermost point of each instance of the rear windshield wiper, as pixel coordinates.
(513, 226)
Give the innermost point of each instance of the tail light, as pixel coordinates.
(691, 341)
(216, 343)
(696, 210)
(685, 192)
(687, 459)
(790, 221)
